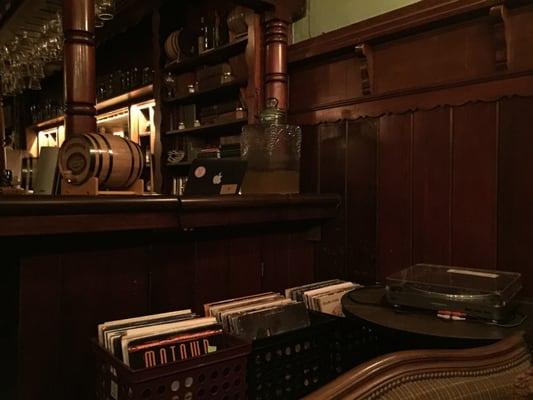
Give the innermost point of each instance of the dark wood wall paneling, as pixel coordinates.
(448, 112)
(9, 302)
(340, 158)
(68, 285)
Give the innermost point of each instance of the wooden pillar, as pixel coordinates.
(79, 67)
(3, 155)
(276, 76)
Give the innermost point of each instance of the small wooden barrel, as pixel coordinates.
(116, 162)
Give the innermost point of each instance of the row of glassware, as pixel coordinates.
(23, 59)
(122, 81)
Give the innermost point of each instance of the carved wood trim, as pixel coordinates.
(424, 14)
(254, 62)
(79, 67)
(364, 53)
(501, 43)
(419, 364)
(276, 75)
(3, 155)
(490, 89)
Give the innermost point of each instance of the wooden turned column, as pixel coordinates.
(276, 76)
(79, 67)
(3, 155)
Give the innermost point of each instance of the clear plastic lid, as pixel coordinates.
(454, 280)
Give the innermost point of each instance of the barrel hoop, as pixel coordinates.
(141, 159)
(128, 181)
(100, 155)
(92, 157)
(110, 152)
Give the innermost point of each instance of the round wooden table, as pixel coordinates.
(369, 304)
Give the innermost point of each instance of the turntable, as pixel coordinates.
(475, 293)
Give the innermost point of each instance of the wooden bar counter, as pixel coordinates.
(70, 263)
(38, 215)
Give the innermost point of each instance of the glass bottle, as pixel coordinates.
(202, 36)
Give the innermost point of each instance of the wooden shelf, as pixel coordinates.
(126, 99)
(214, 56)
(212, 128)
(123, 100)
(49, 123)
(223, 89)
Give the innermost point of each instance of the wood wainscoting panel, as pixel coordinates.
(276, 250)
(332, 160)
(361, 154)
(520, 36)
(431, 186)
(324, 82)
(212, 265)
(244, 265)
(100, 282)
(454, 53)
(309, 165)
(394, 217)
(301, 262)
(9, 323)
(171, 273)
(475, 176)
(39, 323)
(515, 188)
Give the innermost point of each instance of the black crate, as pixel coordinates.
(219, 375)
(293, 364)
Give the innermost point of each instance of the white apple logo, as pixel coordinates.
(217, 179)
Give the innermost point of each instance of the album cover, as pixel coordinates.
(216, 311)
(117, 328)
(121, 323)
(270, 321)
(296, 293)
(330, 303)
(172, 348)
(224, 316)
(209, 306)
(309, 294)
(153, 332)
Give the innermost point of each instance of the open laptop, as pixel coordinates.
(215, 176)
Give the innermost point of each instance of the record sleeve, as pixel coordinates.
(145, 319)
(208, 306)
(297, 292)
(271, 321)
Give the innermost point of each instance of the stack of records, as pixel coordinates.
(153, 340)
(210, 152)
(322, 296)
(258, 316)
(230, 146)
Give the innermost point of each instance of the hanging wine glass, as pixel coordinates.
(105, 9)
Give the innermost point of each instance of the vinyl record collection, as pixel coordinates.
(160, 339)
(323, 296)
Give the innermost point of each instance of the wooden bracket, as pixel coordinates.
(366, 59)
(499, 20)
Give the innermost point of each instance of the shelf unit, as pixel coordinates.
(213, 56)
(222, 90)
(212, 107)
(211, 128)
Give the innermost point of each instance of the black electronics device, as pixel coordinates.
(476, 293)
(215, 176)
